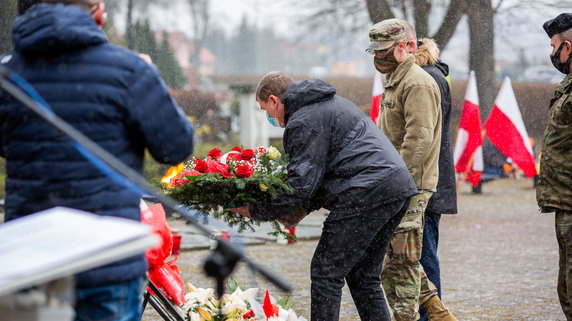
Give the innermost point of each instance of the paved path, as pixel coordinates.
(499, 259)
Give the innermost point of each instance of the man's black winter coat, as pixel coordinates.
(339, 159)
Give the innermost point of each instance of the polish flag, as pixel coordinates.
(506, 130)
(376, 97)
(468, 153)
(477, 165)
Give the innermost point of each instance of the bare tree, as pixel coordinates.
(481, 52)
(481, 25)
(200, 16)
(480, 16)
(418, 13)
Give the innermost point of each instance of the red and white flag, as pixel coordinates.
(506, 130)
(468, 153)
(376, 97)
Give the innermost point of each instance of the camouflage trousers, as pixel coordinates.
(564, 236)
(403, 279)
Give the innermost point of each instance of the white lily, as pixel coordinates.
(199, 297)
(257, 308)
(243, 296)
(194, 316)
(232, 307)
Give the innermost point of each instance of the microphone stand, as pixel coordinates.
(224, 258)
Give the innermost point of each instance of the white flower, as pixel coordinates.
(242, 296)
(289, 315)
(273, 153)
(194, 316)
(197, 298)
(231, 308)
(260, 150)
(257, 309)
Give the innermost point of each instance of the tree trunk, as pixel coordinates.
(129, 31)
(200, 23)
(481, 53)
(455, 12)
(421, 10)
(379, 10)
(7, 15)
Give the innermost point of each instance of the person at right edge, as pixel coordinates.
(444, 201)
(411, 118)
(553, 193)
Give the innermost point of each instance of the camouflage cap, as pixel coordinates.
(385, 33)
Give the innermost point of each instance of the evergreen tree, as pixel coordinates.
(168, 65)
(144, 40)
(161, 54)
(243, 50)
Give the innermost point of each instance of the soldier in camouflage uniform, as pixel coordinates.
(411, 118)
(554, 191)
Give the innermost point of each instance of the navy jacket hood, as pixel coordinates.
(305, 92)
(55, 28)
(443, 67)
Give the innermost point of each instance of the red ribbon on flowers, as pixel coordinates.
(165, 275)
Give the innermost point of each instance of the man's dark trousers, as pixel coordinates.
(352, 248)
(429, 259)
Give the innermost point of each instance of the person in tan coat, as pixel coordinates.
(410, 116)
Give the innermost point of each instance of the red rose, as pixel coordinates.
(261, 150)
(178, 181)
(200, 165)
(244, 170)
(215, 153)
(216, 167)
(234, 156)
(238, 149)
(247, 154)
(193, 172)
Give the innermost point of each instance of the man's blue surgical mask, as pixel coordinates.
(273, 121)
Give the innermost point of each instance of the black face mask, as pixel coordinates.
(563, 67)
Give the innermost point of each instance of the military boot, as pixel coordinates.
(436, 310)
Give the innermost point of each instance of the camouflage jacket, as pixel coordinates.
(411, 118)
(554, 190)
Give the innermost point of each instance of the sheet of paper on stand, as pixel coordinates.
(60, 241)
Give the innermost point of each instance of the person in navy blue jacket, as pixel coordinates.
(112, 96)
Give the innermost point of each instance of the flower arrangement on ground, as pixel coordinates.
(201, 305)
(222, 181)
